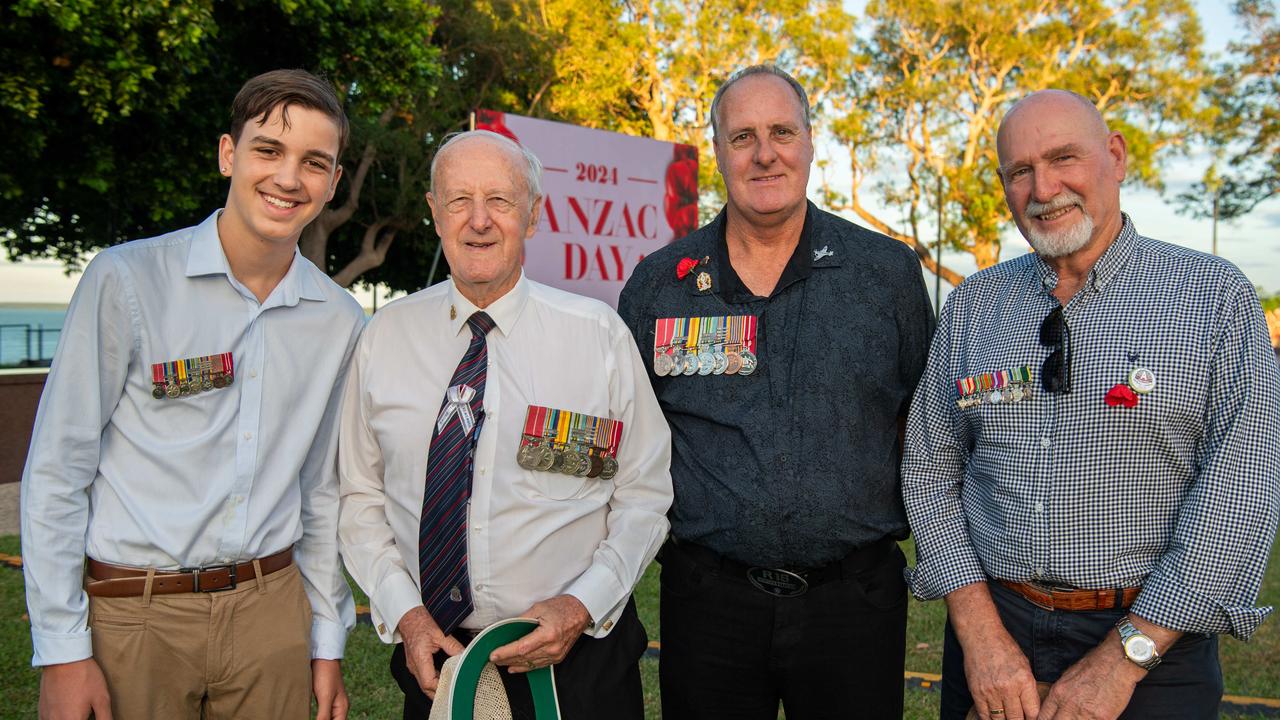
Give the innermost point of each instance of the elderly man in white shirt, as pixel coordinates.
(502, 454)
(185, 444)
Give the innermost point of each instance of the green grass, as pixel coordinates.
(1250, 669)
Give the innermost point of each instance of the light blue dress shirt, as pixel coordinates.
(222, 476)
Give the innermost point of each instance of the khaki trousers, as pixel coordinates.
(242, 653)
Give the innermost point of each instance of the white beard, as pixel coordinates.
(1063, 242)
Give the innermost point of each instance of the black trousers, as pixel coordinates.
(599, 678)
(732, 651)
(1186, 685)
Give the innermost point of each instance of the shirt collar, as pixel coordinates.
(206, 257)
(1107, 267)
(504, 311)
(798, 266)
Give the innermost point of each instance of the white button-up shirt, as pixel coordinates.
(531, 535)
(222, 476)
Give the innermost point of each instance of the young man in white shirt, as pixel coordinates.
(185, 446)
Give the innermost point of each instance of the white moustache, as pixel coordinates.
(1063, 200)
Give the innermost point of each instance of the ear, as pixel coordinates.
(431, 203)
(1119, 152)
(534, 217)
(715, 149)
(333, 185)
(226, 154)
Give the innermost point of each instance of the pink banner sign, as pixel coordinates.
(608, 200)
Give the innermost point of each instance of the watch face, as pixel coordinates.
(1139, 648)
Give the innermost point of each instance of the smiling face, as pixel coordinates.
(281, 177)
(763, 150)
(1061, 172)
(483, 212)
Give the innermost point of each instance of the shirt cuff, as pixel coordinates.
(328, 639)
(57, 648)
(396, 596)
(599, 592)
(1183, 609)
(939, 577)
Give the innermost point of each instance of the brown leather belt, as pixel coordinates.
(106, 580)
(1051, 598)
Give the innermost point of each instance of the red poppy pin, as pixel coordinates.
(684, 267)
(1122, 395)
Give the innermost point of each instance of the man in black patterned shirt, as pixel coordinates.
(1092, 469)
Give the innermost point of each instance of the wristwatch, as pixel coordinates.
(1140, 649)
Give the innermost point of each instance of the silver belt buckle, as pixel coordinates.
(778, 582)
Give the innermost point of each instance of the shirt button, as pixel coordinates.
(482, 469)
(248, 436)
(253, 373)
(1039, 571)
(479, 588)
(1045, 442)
(1039, 507)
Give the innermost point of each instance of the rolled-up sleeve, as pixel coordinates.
(1209, 578)
(933, 468)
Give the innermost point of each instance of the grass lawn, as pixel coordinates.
(1251, 669)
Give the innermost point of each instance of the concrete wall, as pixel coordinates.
(19, 396)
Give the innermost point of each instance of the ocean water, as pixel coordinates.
(21, 337)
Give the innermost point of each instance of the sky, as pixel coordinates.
(1252, 242)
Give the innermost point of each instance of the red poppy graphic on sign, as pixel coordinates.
(680, 203)
(494, 121)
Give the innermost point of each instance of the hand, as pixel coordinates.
(561, 621)
(1101, 683)
(422, 639)
(997, 671)
(71, 691)
(332, 702)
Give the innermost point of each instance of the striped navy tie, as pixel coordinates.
(442, 534)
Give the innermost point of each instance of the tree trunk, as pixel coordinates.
(373, 252)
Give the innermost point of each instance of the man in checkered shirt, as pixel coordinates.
(1092, 469)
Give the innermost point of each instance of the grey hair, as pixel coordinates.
(758, 70)
(532, 165)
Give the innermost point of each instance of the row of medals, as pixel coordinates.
(1008, 394)
(206, 380)
(542, 454)
(706, 360)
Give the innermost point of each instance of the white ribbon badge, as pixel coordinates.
(459, 402)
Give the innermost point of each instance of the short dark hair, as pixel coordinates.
(282, 89)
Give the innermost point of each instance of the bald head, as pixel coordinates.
(1063, 103)
(1061, 170)
(529, 167)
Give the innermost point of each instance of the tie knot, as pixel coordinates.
(480, 323)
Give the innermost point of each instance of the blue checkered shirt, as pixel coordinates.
(1179, 495)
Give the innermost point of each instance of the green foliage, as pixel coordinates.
(115, 108)
(934, 77)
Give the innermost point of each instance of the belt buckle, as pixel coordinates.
(195, 577)
(778, 582)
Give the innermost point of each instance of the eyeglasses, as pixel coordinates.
(1055, 374)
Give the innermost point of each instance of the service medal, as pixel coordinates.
(609, 468)
(597, 466)
(527, 457)
(749, 363)
(663, 365)
(546, 458)
(690, 364)
(706, 363)
(721, 362)
(157, 391)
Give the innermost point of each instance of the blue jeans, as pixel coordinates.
(1187, 685)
